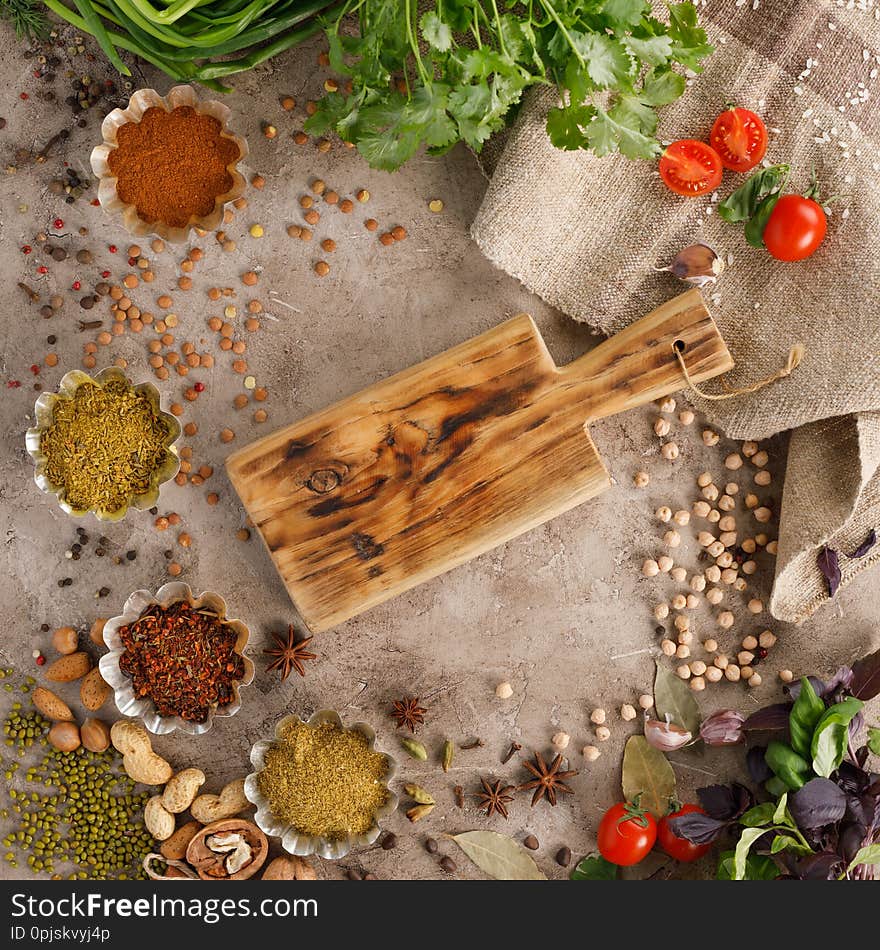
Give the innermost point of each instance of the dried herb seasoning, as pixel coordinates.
(324, 780)
(104, 445)
(183, 658)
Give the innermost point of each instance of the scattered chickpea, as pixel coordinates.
(698, 667)
(761, 539)
(726, 503)
(661, 427)
(672, 539)
(226, 435)
(667, 404)
(682, 623)
(669, 451)
(725, 619)
(627, 712)
(650, 568)
(732, 673)
(711, 493)
(733, 461)
(710, 437)
(762, 514)
(710, 645)
(698, 683)
(751, 500)
(668, 647)
(693, 601)
(744, 657)
(328, 245)
(560, 740)
(682, 651)
(755, 606)
(749, 567)
(682, 517)
(772, 547)
(755, 680)
(683, 671)
(698, 583)
(746, 672)
(665, 563)
(679, 602)
(760, 459)
(603, 733)
(504, 690)
(716, 548)
(678, 574)
(704, 479)
(597, 716)
(763, 478)
(322, 268)
(767, 639)
(720, 661)
(685, 417)
(786, 676)
(714, 675)
(685, 636)
(590, 753)
(646, 701)
(728, 575)
(701, 508)
(641, 479)
(705, 538)
(663, 513)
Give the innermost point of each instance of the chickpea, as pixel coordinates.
(762, 514)
(710, 645)
(733, 461)
(693, 601)
(749, 545)
(755, 680)
(650, 568)
(682, 517)
(667, 404)
(751, 500)
(669, 451)
(710, 437)
(672, 539)
(772, 547)
(590, 753)
(714, 675)
(727, 523)
(705, 538)
(560, 740)
(731, 488)
(701, 508)
(786, 676)
(678, 574)
(698, 684)
(721, 661)
(663, 513)
(749, 642)
(726, 503)
(760, 459)
(686, 637)
(597, 716)
(724, 560)
(725, 619)
(704, 479)
(682, 651)
(728, 575)
(698, 667)
(767, 639)
(603, 733)
(661, 611)
(712, 574)
(711, 493)
(683, 671)
(763, 478)
(664, 562)
(627, 712)
(698, 583)
(732, 673)
(661, 427)
(679, 602)
(714, 516)
(727, 538)
(682, 622)
(744, 657)
(716, 548)
(668, 648)
(685, 417)
(641, 479)
(749, 567)
(749, 448)
(646, 701)
(756, 606)
(504, 690)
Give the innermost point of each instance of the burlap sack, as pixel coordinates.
(583, 233)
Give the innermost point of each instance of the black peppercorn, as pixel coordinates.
(431, 845)
(130, 555)
(563, 857)
(531, 842)
(104, 591)
(448, 865)
(389, 842)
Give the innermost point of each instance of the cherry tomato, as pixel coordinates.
(689, 167)
(626, 834)
(740, 139)
(680, 848)
(795, 228)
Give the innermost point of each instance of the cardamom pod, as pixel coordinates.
(446, 756)
(417, 812)
(419, 794)
(415, 749)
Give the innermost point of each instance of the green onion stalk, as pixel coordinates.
(195, 40)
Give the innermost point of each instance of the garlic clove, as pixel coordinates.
(697, 264)
(666, 736)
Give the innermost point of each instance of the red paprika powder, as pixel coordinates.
(172, 165)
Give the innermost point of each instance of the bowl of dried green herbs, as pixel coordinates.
(176, 660)
(319, 786)
(102, 445)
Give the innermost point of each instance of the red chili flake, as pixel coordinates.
(95, 203)
(24, 96)
(41, 660)
(76, 285)
(112, 249)
(35, 369)
(13, 384)
(132, 261)
(26, 249)
(105, 274)
(199, 387)
(58, 224)
(36, 74)
(42, 269)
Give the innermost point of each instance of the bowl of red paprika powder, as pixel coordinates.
(175, 660)
(168, 164)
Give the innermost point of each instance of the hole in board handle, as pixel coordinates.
(678, 346)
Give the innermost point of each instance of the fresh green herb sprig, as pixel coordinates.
(457, 72)
(27, 17)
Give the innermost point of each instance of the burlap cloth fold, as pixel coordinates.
(583, 233)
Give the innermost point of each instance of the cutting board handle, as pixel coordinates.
(639, 364)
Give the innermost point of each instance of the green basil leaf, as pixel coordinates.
(754, 229)
(784, 842)
(741, 854)
(870, 854)
(780, 815)
(786, 764)
(594, 868)
(805, 713)
(830, 737)
(758, 815)
(743, 203)
(874, 739)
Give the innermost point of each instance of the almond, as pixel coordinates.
(51, 706)
(94, 690)
(175, 847)
(68, 668)
(65, 640)
(95, 735)
(97, 632)
(64, 736)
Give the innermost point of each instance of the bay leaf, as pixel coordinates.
(647, 773)
(674, 699)
(499, 856)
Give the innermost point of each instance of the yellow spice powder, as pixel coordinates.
(325, 781)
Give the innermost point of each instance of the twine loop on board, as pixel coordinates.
(795, 355)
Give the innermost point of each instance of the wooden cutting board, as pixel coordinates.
(435, 465)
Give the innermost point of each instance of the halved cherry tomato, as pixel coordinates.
(690, 167)
(626, 834)
(680, 848)
(739, 136)
(795, 228)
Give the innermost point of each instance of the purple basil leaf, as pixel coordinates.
(863, 809)
(759, 771)
(835, 689)
(770, 718)
(851, 838)
(855, 727)
(852, 778)
(866, 545)
(829, 565)
(793, 690)
(697, 827)
(819, 802)
(824, 866)
(861, 756)
(725, 802)
(865, 683)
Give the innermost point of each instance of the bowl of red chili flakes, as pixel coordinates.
(175, 660)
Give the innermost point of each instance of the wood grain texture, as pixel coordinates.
(437, 464)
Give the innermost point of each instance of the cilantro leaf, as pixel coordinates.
(625, 12)
(608, 63)
(615, 131)
(436, 32)
(689, 41)
(565, 126)
(653, 50)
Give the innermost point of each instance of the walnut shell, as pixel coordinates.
(289, 868)
(210, 866)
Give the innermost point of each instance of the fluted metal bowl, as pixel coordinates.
(127, 214)
(292, 840)
(43, 412)
(144, 708)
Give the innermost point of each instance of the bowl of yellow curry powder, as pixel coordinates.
(168, 164)
(102, 444)
(319, 786)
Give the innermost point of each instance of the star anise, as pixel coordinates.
(548, 779)
(289, 653)
(408, 712)
(494, 798)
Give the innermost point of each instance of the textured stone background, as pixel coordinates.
(562, 612)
